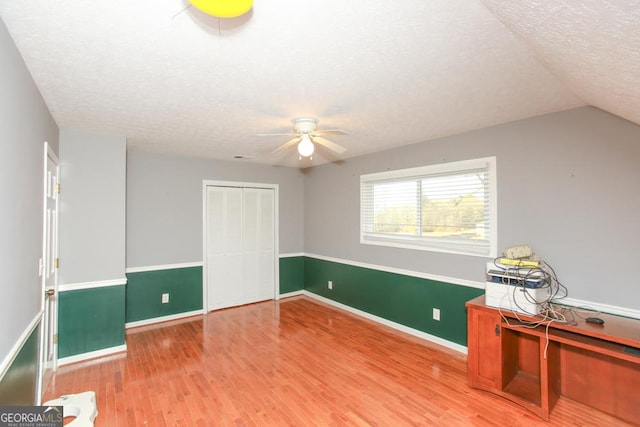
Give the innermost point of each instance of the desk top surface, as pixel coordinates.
(620, 329)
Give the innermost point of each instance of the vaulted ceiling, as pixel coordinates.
(174, 80)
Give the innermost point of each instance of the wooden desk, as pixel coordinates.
(598, 365)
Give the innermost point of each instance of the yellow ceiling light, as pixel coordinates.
(223, 8)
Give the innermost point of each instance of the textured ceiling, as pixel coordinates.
(174, 80)
(592, 46)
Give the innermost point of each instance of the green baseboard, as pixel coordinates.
(403, 299)
(90, 319)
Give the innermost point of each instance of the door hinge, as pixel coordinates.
(55, 339)
(497, 329)
(57, 263)
(58, 188)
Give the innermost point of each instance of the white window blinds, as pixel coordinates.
(450, 207)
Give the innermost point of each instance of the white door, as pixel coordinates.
(49, 271)
(240, 249)
(224, 247)
(258, 248)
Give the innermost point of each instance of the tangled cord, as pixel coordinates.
(527, 279)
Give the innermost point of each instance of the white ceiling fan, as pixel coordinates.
(306, 134)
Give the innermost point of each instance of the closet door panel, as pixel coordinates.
(251, 225)
(266, 244)
(240, 245)
(225, 253)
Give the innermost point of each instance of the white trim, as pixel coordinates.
(292, 294)
(418, 274)
(291, 255)
(50, 314)
(163, 267)
(17, 347)
(91, 285)
(51, 153)
(92, 355)
(205, 272)
(460, 165)
(603, 308)
(397, 326)
(396, 243)
(425, 243)
(161, 319)
(276, 243)
(237, 184)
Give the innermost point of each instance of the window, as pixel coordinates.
(449, 207)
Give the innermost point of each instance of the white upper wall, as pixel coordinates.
(25, 123)
(567, 185)
(164, 204)
(92, 207)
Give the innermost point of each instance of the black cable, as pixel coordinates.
(546, 277)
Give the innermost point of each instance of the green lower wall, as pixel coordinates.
(90, 320)
(291, 274)
(94, 319)
(18, 386)
(184, 286)
(402, 299)
(145, 289)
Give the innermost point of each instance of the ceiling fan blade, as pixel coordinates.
(286, 145)
(276, 134)
(330, 132)
(329, 144)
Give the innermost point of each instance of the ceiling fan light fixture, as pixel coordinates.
(223, 8)
(305, 147)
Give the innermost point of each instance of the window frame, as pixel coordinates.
(443, 245)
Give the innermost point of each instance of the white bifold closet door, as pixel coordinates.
(240, 246)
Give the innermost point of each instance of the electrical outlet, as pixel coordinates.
(436, 314)
(330, 284)
(165, 298)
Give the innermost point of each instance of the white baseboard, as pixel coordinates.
(389, 323)
(161, 319)
(291, 294)
(92, 355)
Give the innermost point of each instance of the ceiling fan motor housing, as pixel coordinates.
(305, 125)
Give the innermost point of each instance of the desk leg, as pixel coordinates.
(549, 376)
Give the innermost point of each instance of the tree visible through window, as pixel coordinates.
(448, 207)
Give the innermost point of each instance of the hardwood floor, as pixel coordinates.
(294, 362)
